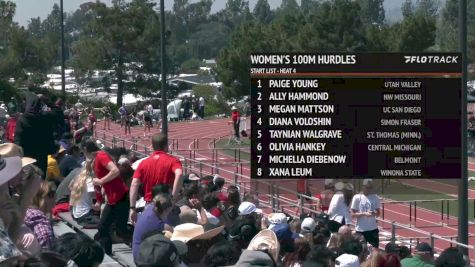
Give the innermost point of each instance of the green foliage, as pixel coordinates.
(262, 11)
(7, 91)
(447, 30)
(372, 11)
(190, 66)
(416, 33)
(215, 102)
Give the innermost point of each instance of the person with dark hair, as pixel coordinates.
(298, 256)
(320, 256)
(80, 249)
(66, 141)
(34, 132)
(423, 257)
(243, 230)
(450, 257)
(217, 189)
(71, 161)
(232, 209)
(223, 253)
(159, 168)
(404, 252)
(47, 259)
(236, 119)
(339, 209)
(391, 260)
(107, 117)
(352, 246)
(108, 178)
(58, 111)
(153, 218)
(210, 204)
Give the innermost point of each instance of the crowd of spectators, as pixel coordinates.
(169, 217)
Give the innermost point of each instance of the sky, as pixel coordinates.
(27, 9)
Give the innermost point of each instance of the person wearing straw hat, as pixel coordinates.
(236, 118)
(263, 250)
(197, 239)
(365, 207)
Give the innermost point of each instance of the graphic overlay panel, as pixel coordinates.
(376, 115)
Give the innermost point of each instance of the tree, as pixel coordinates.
(234, 13)
(7, 11)
(115, 36)
(429, 8)
(407, 8)
(336, 27)
(447, 30)
(372, 11)
(289, 7)
(416, 33)
(262, 11)
(308, 7)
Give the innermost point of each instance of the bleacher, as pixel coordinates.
(121, 253)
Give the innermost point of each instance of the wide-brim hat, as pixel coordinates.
(12, 150)
(234, 108)
(266, 240)
(9, 168)
(190, 231)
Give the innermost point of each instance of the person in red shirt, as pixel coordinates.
(10, 129)
(108, 180)
(92, 120)
(159, 168)
(236, 118)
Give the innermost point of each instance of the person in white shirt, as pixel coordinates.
(81, 204)
(365, 207)
(201, 110)
(339, 208)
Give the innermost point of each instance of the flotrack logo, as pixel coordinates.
(431, 59)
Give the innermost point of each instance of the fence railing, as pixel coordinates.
(412, 206)
(271, 194)
(212, 153)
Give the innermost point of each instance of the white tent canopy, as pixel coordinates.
(127, 99)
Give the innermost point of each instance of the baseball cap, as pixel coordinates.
(247, 208)
(339, 186)
(347, 260)
(158, 251)
(423, 248)
(308, 225)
